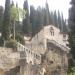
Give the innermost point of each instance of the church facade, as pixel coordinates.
(46, 53)
(51, 43)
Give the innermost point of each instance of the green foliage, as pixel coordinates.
(72, 44)
(26, 20)
(72, 71)
(47, 14)
(11, 44)
(59, 20)
(1, 41)
(72, 28)
(20, 38)
(52, 18)
(6, 21)
(42, 16)
(14, 13)
(33, 19)
(37, 18)
(55, 19)
(1, 17)
(17, 13)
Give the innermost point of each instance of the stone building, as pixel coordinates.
(44, 54)
(51, 44)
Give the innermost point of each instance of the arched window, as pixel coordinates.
(51, 31)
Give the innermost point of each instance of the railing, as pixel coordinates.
(24, 52)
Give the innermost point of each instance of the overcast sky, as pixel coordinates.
(61, 5)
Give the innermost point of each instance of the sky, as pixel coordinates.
(61, 5)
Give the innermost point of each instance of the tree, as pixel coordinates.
(55, 19)
(26, 20)
(63, 25)
(33, 19)
(14, 18)
(16, 13)
(6, 21)
(59, 21)
(39, 19)
(72, 28)
(47, 14)
(52, 17)
(36, 19)
(44, 16)
(1, 17)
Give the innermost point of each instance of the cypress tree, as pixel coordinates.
(63, 25)
(26, 20)
(1, 17)
(65, 29)
(6, 21)
(47, 14)
(33, 19)
(36, 19)
(52, 18)
(39, 19)
(44, 16)
(72, 28)
(59, 21)
(55, 19)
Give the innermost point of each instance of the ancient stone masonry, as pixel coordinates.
(28, 60)
(45, 54)
(42, 55)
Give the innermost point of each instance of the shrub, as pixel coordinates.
(11, 44)
(20, 38)
(72, 71)
(1, 41)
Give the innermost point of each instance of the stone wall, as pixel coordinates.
(39, 41)
(56, 61)
(58, 36)
(8, 59)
